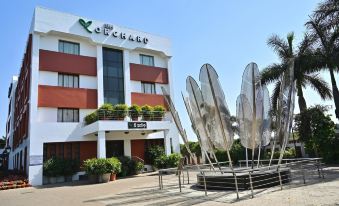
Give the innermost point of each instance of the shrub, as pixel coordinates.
(114, 165)
(101, 166)
(92, 117)
(53, 167)
(139, 166)
(70, 167)
(158, 112)
(154, 152)
(120, 111)
(106, 106)
(128, 166)
(146, 111)
(167, 161)
(134, 111)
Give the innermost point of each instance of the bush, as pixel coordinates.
(92, 117)
(120, 111)
(115, 165)
(128, 166)
(106, 107)
(167, 161)
(70, 167)
(158, 112)
(101, 166)
(53, 167)
(134, 111)
(139, 166)
(146, 111)
(154, 152)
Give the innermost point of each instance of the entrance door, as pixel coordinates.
(114, 148)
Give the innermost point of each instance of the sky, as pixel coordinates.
(226, 34)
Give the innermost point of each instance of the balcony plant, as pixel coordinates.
(134, 112)
(105, 112)
(120, 111)
(92, 117)
(158, 112)
(146, 111)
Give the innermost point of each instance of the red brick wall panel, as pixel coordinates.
(139, 72)
(150, 99)
(67, 63)
(63, 97)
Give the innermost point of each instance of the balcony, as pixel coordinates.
(139, 72)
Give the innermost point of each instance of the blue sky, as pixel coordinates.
(226, 34)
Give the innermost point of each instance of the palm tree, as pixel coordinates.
(324, 27)
(305, 73)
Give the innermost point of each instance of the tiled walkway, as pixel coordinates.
(143, 190)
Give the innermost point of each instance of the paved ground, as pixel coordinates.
(143, 190)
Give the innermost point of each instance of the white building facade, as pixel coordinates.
(72, 66)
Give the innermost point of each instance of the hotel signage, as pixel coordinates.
(137, 125)
(108, 30)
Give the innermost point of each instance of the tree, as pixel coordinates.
(3, 142)
(320, 141)
(324, 27)
(305, 73)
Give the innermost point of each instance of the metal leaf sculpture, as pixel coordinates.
(199, 115)
(286, 107)
(178, 123)
(266, 126)
(251, 89)
(218, 118)
(203, 144)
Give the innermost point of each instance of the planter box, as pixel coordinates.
(104, 178)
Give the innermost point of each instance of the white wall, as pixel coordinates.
(51, 79)
(49, 114)
(51, 43)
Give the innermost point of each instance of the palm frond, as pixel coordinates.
(279, 45)
(272, 73)
(319, 85)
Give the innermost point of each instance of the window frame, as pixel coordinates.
(141, 56)
(63, 77)
(153, 87)
(68, 42)
(75, 118)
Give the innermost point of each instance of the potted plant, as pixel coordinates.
(158, 112)
(120, 111)
(89, 168)
(51, 169)
(114, 167)
(146, 111)
(105, 112)
(134, 112)
(70, 167)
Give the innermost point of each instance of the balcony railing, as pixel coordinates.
(131, 115)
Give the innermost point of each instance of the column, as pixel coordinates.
(35, 144)
(127, 78)
(100, 76)
(101, 144)
(167, 142)
(127, 147)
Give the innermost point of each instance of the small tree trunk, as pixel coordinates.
(335, 92)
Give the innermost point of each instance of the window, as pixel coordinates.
(68, 80)
(68, 115)
(114, 90)
(146, 60)
(69, 47)
(148, 88)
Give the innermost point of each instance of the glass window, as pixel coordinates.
(68, 115)
(69, 47)
(68, 80)
(113, 76)
(148, 88)
(146, 60)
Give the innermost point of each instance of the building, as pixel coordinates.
(72, 65)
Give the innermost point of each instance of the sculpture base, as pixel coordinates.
(263, 179)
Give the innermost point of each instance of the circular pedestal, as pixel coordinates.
(259, 180)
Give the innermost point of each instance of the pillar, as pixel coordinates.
(101, 145)
(100, 76)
